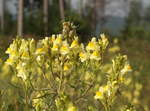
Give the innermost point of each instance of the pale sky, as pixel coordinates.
(116, 7)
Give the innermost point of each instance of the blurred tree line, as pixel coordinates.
(42, 17)
(138, 21)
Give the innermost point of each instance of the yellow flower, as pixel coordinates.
(92, 45)
(55, 47)
(75, 43)
(12, 48)
(40, 59)
(102, 90)
(25, 55)
(66, 68)
(121, 79)
(41, 50)
(104, 39)
(58, 40)
(22, 70)
(83, 56)
(64, 48)
(22, 74)
(9, 61)
(12, 53)
(114, 83)
(95, 55)
(127, 68)
(99, 95)
(8, 51)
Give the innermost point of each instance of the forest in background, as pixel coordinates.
(40, 18)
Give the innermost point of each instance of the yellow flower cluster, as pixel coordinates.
(56, 66)
(107, 93)
(59, 44)
(21, 53)
(94, 49)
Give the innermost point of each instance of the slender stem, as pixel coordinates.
(61, 74)
(45, 95)
(106, 107)
(43, 73)
(26, 98)
(16, 105)
(61, 79)
(85, 92)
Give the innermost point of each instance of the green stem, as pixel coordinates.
(26, 99)
(61, 79)
(62, 62)
(106, 107)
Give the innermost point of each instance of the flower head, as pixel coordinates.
(99, 95)
(25, 55)
(102, 91)
(127, 68)
(64, 48)
(95, 55)
(55, 47)
(103, 41)
(66, 68)
(83, 56)
(92, 45)
(58, 40)
(41, 50)
(9, 61)
(75, 43)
